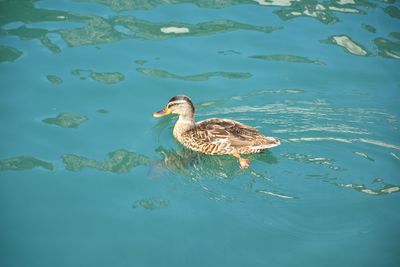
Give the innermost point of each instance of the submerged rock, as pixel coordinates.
(312, 9)
(120, 161)
(67, 120)
(151, 203)
(348, 44)
(54, 79)
(287, 58)
(395, 35)
(392, 11)
(103, 111)
(107, 77)
(125, 5)
(101, 30)
(24, 163)
(388, 48)
(26, 33)
(102, 77)
(140, 61)
(9, 54)
(368, 27)
(198, 77)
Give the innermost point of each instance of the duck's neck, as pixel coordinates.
(184, 123)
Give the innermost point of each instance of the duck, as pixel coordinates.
(214, 136)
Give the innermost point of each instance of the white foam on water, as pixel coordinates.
(390, 190)
(311, 139)
(378, 143)
(346, 2)
(344, 140)
(363, 155)
(394, 155)
(275, 2)
(343, 9)
(392, 55)
(275, 194)
(176, 30)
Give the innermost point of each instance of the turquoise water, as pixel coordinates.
(89, 178)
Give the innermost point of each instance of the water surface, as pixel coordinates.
(89, 178)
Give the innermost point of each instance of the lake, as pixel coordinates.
(89, 178)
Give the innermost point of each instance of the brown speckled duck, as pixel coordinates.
(214, 136)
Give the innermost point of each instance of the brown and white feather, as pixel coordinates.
(223, 136)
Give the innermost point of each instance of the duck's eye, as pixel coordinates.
(171, 105)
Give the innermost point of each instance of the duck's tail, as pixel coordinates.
(267, 142)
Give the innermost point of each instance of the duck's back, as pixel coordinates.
(223, 136)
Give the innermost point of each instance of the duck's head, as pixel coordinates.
(180, 104)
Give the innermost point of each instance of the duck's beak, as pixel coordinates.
(162, 113)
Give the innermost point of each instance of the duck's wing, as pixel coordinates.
(231, 132)
(223, 136)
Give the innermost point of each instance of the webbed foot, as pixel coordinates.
(244, 163)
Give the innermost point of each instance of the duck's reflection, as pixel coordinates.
(180, 161)
(196, 165)
(206, 172)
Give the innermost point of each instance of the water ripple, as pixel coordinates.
(303, 116)
(384, 190)
(279, 195)
(318, 160)
(363, 155)
(346, 140)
